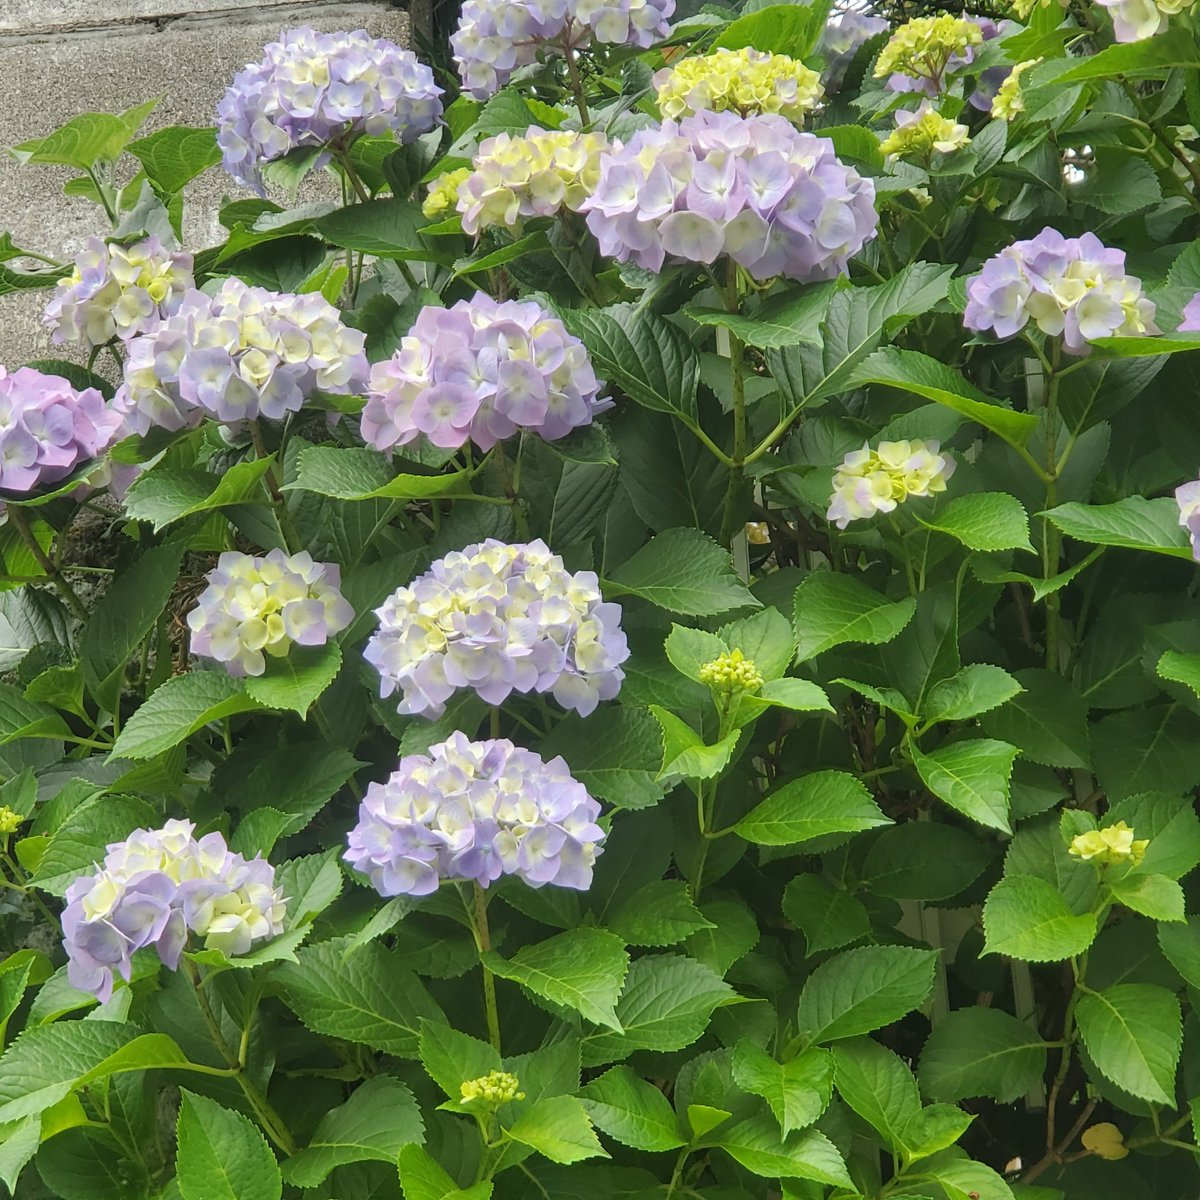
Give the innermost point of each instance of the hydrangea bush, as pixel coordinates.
(637, 639)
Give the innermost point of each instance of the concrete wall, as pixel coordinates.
(63, 57)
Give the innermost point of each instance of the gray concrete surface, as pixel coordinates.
(74, 56)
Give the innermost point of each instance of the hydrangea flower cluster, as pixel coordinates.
(1112, 844)
(48, 428)
(514, 178)
(442, 197)
(840, 41)
(117, 291)
(1136, 20)
(1008, 101)
(1191, 316)
(922, 131)
(239, 354)
(496, 38)
(875, 481)
(255, 606)
(1076, 287)
(480, 371)
(152, 890)
(777, 201)
(744, 81)
(731, 672)
(316, 89)
(492, 1090)
(474, 811)
(922, 51)
(499, 618)
(1187, 497)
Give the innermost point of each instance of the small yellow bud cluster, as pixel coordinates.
(1008, 101)
(746, 81)
(1113, 844)
(443, 193)
(918, 134)
(922, 47)
(493, 1089)
(731, 672)
(10, 821)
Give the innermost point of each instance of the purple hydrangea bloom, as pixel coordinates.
(317, 89)
(48, 428)
(496, 38)
(777, 201)
(1191, 316)
(1073, 287)
(499, 618)
(1188, 498)
(117, 292)
(478, 372)
(152, 890)
(843, 36)
(257, 606)
(239, 354)
(474, 811)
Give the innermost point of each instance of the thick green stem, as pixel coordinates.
(1051, 538)
(576, 80)
(20, 522)
(737, 380)
(483, 940)
(287, 526)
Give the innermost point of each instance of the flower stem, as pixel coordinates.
(576, 80)
(737, 380)
(287, 527)
(483, 940)
(16, 514)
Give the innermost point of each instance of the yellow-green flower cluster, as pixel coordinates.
(1022, 8)
(443, 193)
(875, 481)
(744, 81)
(493, 1089)
(10, 821)
(1112, 844)
(919, 133)
(731, 672)
(1008, 100)
(922, 47)
(532, 176)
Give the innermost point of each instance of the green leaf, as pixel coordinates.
(985, 521)
(666, 1005)
(450, 1058)
(1134, 523)
(1180, 942)
(689, 649)
(798, 695)
(798, 1090)
(164, 496)
(878, 1086)
(812, 806)
(1134, 1034)
(981, 1052)
(631, 1110)
(685, 753)
(659, 914)
(972, 777)
(832, 609)
(363, 996)
(174, 156)
(650, 359)
(294, 681)
(1153, 896)
(379, 1119)
(221, 1154)
(827, 916)
(766, 638)
(177, 709)
(583, 970)
(559, 1129)
(1138, 749)
(1047, 721)
(1150, 56)
(790, 29)
(684, 571)
(756, 1144)
(861, 990)
(1180, 668)
(934, 1128)
(422, 1178)
(122, 619)
(17, 1149)
(977, 688)
(311, 884)
(80, 838)
(358, 474)
(615, 753)
(733, 935)
(388, 228)
(1027, 918)
(80, 143)
(924, 376)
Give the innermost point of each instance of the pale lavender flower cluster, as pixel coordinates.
(1073, 287)
(1188, 498)
(479, 371)
(117, 291)
(317, 89)
(496, 38)
(843, 36)
(474, 811)
(239, 354)
(48, 428)
(775, 200)
(255, 606)
(499, 618)
(1191, 316)
(152, 890)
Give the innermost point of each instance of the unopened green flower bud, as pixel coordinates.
(492, 1090)
(10, 821)
(731, 672)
